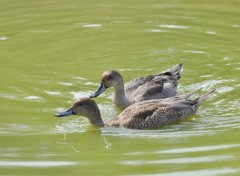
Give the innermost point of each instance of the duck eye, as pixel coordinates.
(80, 104)
(110, 77)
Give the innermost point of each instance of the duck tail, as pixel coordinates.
(176, 71)
(203, 97)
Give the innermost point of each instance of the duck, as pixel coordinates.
(147, 114)
(149, 87)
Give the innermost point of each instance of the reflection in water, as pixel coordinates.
(173, 26)
(3, 38)
(208, 172)
(178, 160)
(8, 96)
(36, 163)
(194, 51)
(199, 149)
(225, 89)
(156, 30)
(53, 92)
(206, 85)
(14, 129)
(66, 83)
(91, 25)
(79, 141)
(33, 97)
(80, 94)
(211, 33)
(72, 125)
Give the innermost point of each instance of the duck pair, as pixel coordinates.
(149, 102)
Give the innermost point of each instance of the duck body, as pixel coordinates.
(156, 113)
(150, 87)
(147, 114)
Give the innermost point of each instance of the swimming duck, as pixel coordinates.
(147, 114)
(150, 87)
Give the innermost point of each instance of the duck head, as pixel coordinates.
(84, 107)
(111, 78)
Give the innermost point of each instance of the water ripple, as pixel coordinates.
(225, 89)
(92, 25)
(179, 160)
(72, 125)
(14, 129)
(174, 131)
(209, 172)
(173, 26)
(198, 149)
(35, 163)
(80, 94)
(8, 96)
(53, 92)
(208, 84)
(156, 30)
(194, 51)
(33, 97)
(3, 38)
(211, 33)
(66, 83)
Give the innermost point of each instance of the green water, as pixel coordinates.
(54, 51)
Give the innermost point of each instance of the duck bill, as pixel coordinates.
(65, 113)
(100, 90)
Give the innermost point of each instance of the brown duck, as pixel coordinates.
(150, 87)
(143, 115)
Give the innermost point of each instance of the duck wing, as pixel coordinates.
(134, 116)
(147, 116)
(151, 87)
(156, 113)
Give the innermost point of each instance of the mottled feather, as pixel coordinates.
(142, 115)
(150, 87)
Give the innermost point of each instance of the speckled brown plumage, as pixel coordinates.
(142, 115)
(150, 87)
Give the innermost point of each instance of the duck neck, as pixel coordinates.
(120, 98)
(95, 119)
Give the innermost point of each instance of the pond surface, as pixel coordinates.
(55, 51)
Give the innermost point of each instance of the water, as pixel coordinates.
(55, 51)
